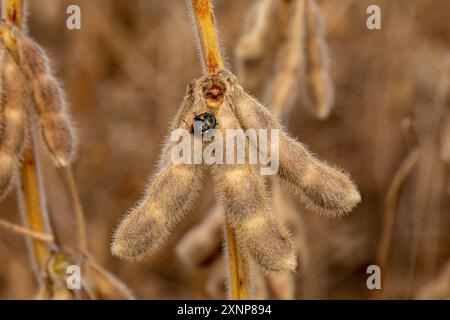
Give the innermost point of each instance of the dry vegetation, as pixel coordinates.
(373, 102)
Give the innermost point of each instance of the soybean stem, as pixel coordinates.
(212, 61)
(31, 195)
(207, 35)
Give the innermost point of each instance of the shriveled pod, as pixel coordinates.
(282, 91)
(318, 75)
(256, 46)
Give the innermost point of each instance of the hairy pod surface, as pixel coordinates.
(243, 196)
(322, 187)
(14, 100)
(168, 198)
(50, 102)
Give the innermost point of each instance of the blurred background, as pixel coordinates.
(125, 74)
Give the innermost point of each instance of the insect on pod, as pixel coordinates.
(204, 122)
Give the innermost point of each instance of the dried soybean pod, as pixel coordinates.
(282, 90)
(167, 199)
(14, 100)
(321, 187)
(243, 196)
(318, 76)
(50, 102)
(256, 48)
(257, 28)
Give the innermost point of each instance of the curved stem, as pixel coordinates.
(390, 210)
(77, 207)
(212, 61)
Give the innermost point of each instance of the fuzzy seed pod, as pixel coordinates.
(285, 206)
(167, 199)
(258, 232)
(321, 187)
(282, 91)
(57, 131)
(202, 241)
(252, 44)
(243, 196)
(255, 48)
(318, 78)
(14, 100)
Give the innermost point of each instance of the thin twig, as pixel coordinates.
(78, 208)
(390, 209)
(212, 60)
(17, 229)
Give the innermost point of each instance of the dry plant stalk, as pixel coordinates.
(318, 76)
(96, 283)
(14, 228)
(32, 98)
(30, 192)
(241, 190)
(212, 59)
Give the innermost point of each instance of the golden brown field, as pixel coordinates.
(125, 74)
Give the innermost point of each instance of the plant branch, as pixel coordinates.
(213, 60)
(238, 269)
(390, 208)
(14, 11)
(31, 193)
(17, 229)
(78, 208)
(207, 35)
(32, 202)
